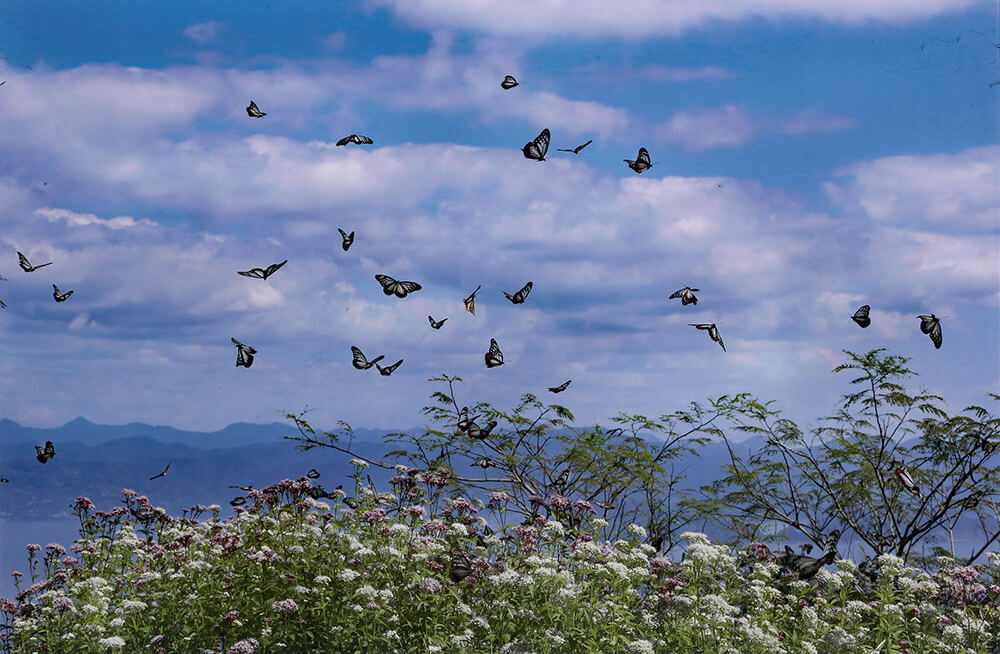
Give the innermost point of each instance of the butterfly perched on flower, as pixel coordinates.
(360, 362)
(470, 302)
(561, 387)
(59, 296)
(686, 295)
(931, 325)
(861, 316)
(391, 286)
(253, 111)
(577, 149)
(244, 354)
(347, 238)
(641, 163)
(494, 357)
(536, 149)
(436, 324)
(43, 454)
(461, 567)
(518, 298)
(388, 370)
(26, 265)
(355, 138)
(713, 332)
(262, 273)
(508, 82)
(806, 567)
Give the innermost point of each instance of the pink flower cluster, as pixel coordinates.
(285, 607)
(248, 646)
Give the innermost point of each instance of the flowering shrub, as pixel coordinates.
(288, 573)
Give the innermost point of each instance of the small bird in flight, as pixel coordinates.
(60, 296)
(508, 82)
(577, 149)
(348, 239)
(244, 354)
(713, 332)
(253, 111)
(355, 138)
(686, 295)
(262, 273)
(26, 265)
(162, 474)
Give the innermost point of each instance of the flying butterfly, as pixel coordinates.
(577, 149)
(3, 305)
(360, 362)
(162, 474)
(355, 138)
(463, 419)
(253, 111)
(26, 265)
(461, 567)
(485, 462)
(641, 163)
(536, 149)
(4, 480)
(43, 454)
(561, 387)
(348, 239)
(713, 332)
(262, 273)
(436, 324)
(508, 82)
(686, 295)
(388, 370)
(494, 357)
(806, 567)
(313, 473)
(390, 286)
(480, 433)
(244, 353)
(562, 479)
(518, 298)
(861, 316)
(237, 501)
(59, 296)
(931, 325)
(470, 302)
(906, 480)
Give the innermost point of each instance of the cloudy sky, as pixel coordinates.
(809, 156)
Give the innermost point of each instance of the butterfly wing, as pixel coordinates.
(678, 294)
(542, 142)
(403, 288)
(580, 147)
(470, 302)
(561, 387)
(273, 268)
(24, 263)
(520, 296)
(256, 273)
(688, 298)
(935, 334)
(388, 284)
(643, 159)
(861, 316)
(388, 370)
(494, 357)
(360, 362)
(345, 140)
(362, 140)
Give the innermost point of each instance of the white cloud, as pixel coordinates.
(816, 121)
(73, 218)
(204, 33)
(713, 128)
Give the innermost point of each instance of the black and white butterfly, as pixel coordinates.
(861, 316)
(360, 362)
(479, 433)
(518, 298)
(470, 302)
(686, 295)
(577, 149)
(536, 149)
(806, 567)
(562, 479)
(348, 239)
(4, 480)
(388, 370)
(26, 265)
(641, 163)
(713, 332)
(494, 357)
(43, 454)
(463, 419)
(237, 501)
(508, 82)
(931, 325)
(355, 138)
(161, 474)
(390, 286)
(59, 296)
(262, 273)
(461, 567)
(313, 473)
(253, 111)
(245, 489)
(244, 353)
(561, 387)
(485, 462)
(436, 324)
(3, 305)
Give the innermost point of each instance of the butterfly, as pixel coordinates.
(518, 298)
(561, 387)
(577, 149)
(607, 506)
(262, 273)
(253, 111)
(26, 265)
(162, 474)
(536, 149)
(485, 462)
(861, 316)
(508, 82)
(351, 502)
(390, 286)
(461, 567)
(360, 362)
(713, 333)
(237, 501)
(470, 302)
(3, 305)
(686, 295)
(805, 566)
(479, 433)
(348, 238)
(463, 419)
(60, 297)
(4, 480)
(43, 454)
(244, 354)
(641, 163)
(931, 326)
(494, 357)
(388, 370)
(313, 473)
(436, 324)
(317, 492)
(562, 479)
(355, 138)
(906, 480)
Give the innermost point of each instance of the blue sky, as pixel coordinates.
(809, 157)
